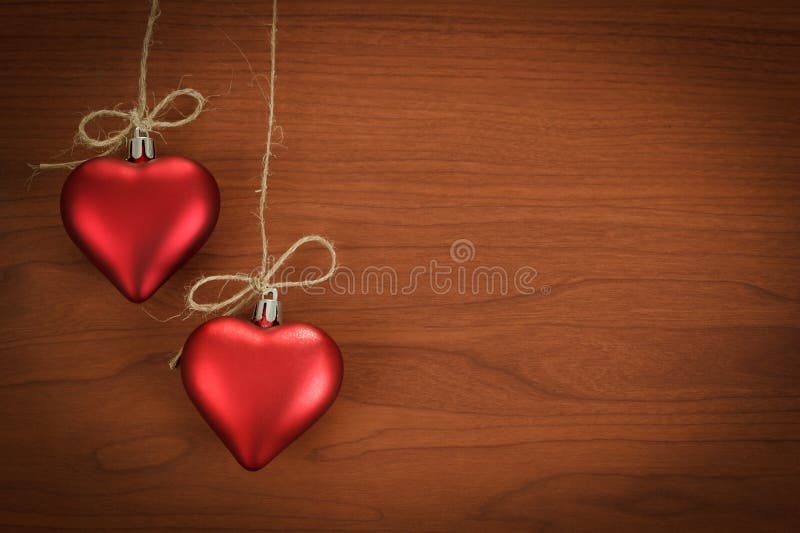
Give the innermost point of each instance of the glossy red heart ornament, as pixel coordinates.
(258, 387)
(138, 222)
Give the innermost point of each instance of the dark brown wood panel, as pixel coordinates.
(643, 158)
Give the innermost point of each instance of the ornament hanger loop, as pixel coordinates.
(272, 292)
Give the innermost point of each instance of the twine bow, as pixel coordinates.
(139, 117)
(260, 282)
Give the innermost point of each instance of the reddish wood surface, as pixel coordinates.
(642, 157)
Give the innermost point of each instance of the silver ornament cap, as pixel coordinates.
(141, 147)
(267, 310)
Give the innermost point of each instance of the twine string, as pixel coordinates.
(138, 117)
(263, 279)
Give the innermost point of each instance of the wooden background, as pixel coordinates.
(642, 157)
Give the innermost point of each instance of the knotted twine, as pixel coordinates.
(259, 282)
(139, 117)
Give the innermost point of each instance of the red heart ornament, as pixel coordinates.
(259, 388)
(138, 222)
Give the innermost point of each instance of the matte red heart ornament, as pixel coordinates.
(260, 387)
(139, 221)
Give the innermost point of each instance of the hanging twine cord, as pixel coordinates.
(258, 283)
(139, 117)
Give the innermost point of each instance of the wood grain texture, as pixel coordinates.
(643, 157)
